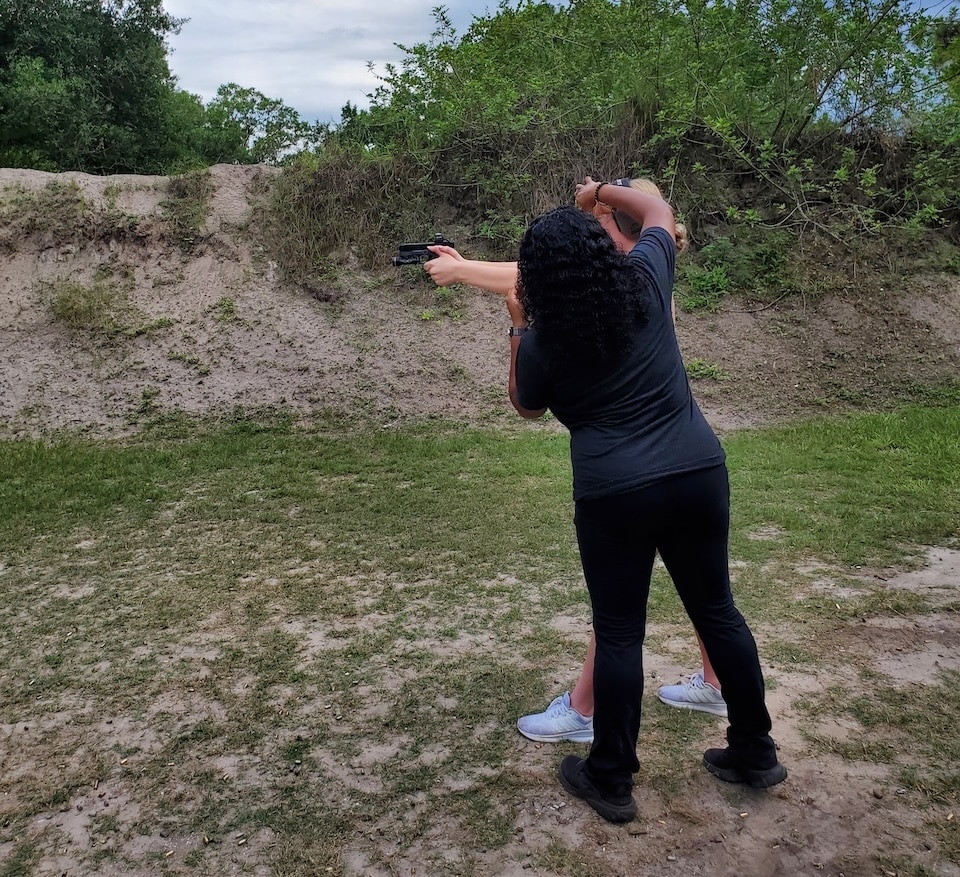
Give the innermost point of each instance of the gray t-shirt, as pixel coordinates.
(637, 423)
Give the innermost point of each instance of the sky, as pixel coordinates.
(311, 54)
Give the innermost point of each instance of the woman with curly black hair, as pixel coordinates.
(588, 319)
(593, 341)
(569, 715)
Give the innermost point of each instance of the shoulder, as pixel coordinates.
(654, 258)
(655, 253)
(655, 243)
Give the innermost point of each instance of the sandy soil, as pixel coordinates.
(381, 346)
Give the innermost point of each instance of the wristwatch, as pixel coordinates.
(517, 330)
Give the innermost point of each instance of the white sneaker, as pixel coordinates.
(557, 722)
(694, 694)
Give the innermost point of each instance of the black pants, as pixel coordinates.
(687, 519)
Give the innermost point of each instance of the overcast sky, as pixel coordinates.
(311, 54)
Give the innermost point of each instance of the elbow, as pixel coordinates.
(526, 413)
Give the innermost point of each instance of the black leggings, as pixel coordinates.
(687, 519)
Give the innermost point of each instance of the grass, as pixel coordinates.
(100, 310)
(698, 368)
(318, 641)
(61, 213)
(185, 208)
(93, 307)
(855, 489)
(913, 729)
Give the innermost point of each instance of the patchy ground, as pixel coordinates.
(205, 328)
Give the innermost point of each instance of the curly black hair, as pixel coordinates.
(580, 292)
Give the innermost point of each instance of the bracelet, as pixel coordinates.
(514, 331)
(596, 193)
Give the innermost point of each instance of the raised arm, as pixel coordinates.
(651, 211)
(450, 267)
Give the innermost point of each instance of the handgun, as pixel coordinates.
(417, 254)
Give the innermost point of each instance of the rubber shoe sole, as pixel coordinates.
(576, 783)
(560, 737)
(714, 709)
(718, 762)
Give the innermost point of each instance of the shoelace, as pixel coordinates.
(557, 707)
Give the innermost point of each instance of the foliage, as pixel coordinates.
(931, 194)
(770, 117)
(698, 368)
(748, 261)
(91, 308)
(60, 213)
(749, 71)
(56, 206)
(335, 184)
(85, 85)
(946, 52)
(101, 310)
(186, 207)
(778, 114)
(245, 126)
(704, 288)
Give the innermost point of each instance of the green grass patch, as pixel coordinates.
(328, 635)
(185, 209)
(698, 368)
(860, 490)
(57, 207)
(101, 309)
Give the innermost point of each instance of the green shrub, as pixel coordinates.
(703, 288)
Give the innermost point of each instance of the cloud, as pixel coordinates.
(312, 54)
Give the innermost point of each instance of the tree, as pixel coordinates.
(765, 69)
(245, 126)
(946, 53)
(85, 85)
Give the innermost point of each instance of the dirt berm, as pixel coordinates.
(203, 322)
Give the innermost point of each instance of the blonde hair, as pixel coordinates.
(649, 187)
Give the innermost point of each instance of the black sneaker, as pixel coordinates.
(723, 764)
(576, 782)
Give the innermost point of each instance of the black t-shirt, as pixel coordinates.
(638, 423)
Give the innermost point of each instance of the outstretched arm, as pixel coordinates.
(450, 267)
